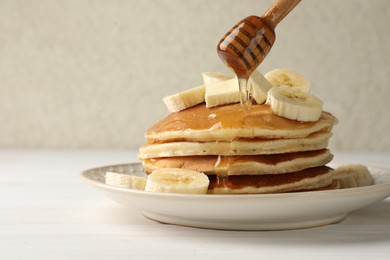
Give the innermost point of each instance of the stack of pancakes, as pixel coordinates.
(243, 152)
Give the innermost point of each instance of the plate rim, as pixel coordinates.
(350, 191)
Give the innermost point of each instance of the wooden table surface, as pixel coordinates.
(46, 212)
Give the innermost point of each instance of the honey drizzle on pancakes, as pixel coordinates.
(228, 116)
(225, 123)
(221, 177)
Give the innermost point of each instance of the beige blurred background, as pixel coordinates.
(91, 74)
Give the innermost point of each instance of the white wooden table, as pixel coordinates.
(46, 212)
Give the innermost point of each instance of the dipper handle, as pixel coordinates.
(278, 10)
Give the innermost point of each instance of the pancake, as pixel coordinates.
(243, 164)
(227, 123)
(307, 179)
(241, 152)
(335, 185)
(314, 141)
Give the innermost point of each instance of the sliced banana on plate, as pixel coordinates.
(294, 104)
(173, 180)
(353, 175)
(288, 78)
(125, 181)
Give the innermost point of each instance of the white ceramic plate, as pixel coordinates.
(243, 212)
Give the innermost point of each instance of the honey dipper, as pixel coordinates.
(246, 45)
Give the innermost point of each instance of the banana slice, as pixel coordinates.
(294, 104)
(213, 77)
(353, 175)
(259, 87)
(125, 181)
(221, 89)
(185, 99)
(173, 180)
(222, 92)
(289, 78)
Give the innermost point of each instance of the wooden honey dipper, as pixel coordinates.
(246, 45)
